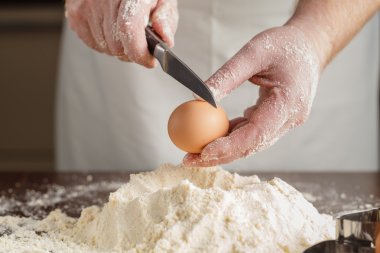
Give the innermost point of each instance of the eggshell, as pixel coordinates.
(194, 124)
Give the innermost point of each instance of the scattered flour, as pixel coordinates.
(179, 209)
(38, 203)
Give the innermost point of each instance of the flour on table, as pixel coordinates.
(179, 209)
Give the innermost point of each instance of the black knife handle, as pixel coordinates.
(153, 39)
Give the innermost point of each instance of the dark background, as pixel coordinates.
(30, 2)
(30, 33)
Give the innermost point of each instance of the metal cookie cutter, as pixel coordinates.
(356, 233)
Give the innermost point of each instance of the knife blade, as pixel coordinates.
(177, 69)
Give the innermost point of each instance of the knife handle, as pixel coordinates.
(153, 39)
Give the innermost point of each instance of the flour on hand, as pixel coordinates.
(180, 209)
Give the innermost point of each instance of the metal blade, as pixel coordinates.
(182, 73)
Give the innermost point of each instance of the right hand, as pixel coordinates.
(117, 27)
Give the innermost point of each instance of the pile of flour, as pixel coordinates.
(179, 209)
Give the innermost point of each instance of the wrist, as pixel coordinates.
(318, 38)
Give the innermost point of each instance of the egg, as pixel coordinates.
(196, 123)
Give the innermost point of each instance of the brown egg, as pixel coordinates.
(194, 124)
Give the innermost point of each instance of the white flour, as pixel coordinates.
(177, 209)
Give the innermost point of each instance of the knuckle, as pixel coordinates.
(117, 50)
(124, 26)
(72, 14)
(124, 58)
(89, 2)
(302, 118)
(74, 9)
(125, 33)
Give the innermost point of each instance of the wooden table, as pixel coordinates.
(36, 194)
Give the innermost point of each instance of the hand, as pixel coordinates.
(284, 63)
(117, 27)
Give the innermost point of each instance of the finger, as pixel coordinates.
(131, 27)
(260, 132)
(165, 20)
(191, 160)
(228, 148)
(236, 122)
(241, 124)
(110, 29)
(290, 124)
(79, 24)
(241, 121)
(196, 159)
(96, 27)
(124, 58)
(241, 67)
(249, 111)
(84, 33)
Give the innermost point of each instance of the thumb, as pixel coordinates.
(241, 67)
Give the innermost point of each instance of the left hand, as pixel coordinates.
(283, 61)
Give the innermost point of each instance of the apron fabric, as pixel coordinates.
(113, 115)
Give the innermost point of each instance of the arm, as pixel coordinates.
(285, 62)
(332, 24)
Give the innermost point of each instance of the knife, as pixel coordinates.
(173, 66)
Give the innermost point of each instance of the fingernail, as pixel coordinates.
(146, 20)
(190, 159)
(170, 39)
(209, 157)
(169, 33)
(155, 63)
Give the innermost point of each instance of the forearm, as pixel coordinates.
(331, 24)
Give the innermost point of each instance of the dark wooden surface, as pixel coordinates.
(36, 194)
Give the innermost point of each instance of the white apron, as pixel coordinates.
(113, 115)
